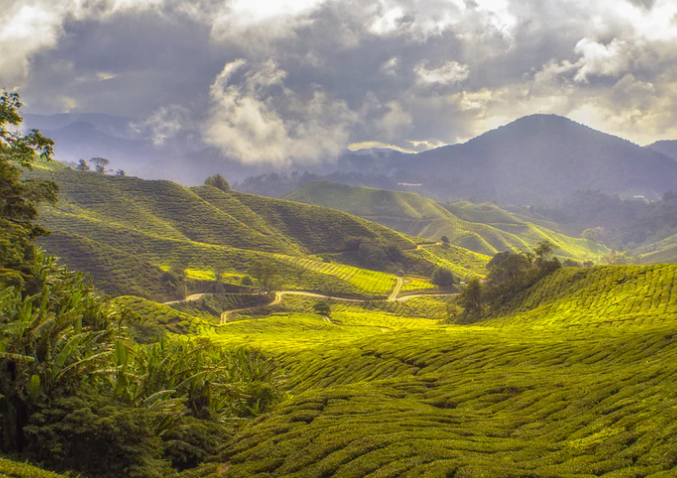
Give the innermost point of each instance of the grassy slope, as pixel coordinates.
(576, 381)
(484, 228)
(125, 231)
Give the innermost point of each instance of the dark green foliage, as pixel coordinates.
(191, 442)
(247, 281)
(471, 301)
(51, 343)
(174, 283)
(219, 182)
(322, 308)
(19, 198)
(443, 278)
(97, 436)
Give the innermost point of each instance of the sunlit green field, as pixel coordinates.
(576, 383)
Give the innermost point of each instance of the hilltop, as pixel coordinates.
(483, 228)
(534, 160)
(543, 158)
(127, 233)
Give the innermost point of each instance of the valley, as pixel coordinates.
(340, 331)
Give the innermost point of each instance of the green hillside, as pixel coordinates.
(576, 380)
(127, 232)
(483, 228)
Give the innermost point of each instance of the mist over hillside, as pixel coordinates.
(536, 159)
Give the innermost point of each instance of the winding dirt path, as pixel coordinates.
(393, 296)
(190, 298)
(278, 300)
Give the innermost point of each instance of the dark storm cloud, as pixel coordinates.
(301, 87)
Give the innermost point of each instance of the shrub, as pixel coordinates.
(443, 278)
(219, 182)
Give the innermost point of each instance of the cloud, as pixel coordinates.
(246, 120)
(452, 72)
(602, 60)
(165, 123)
(317, 75)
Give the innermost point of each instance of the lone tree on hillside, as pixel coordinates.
(120, 172)
(445, 241)
(322, 308)
(82, 166)
(100, 164)
(443, 278)
(219, 182)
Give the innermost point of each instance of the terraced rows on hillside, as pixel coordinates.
(483, 228)
(126, 232)
(570, 383)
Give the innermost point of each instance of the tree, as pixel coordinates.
(247, 281)
(443, 278)
(445, 241)
(19, 198)
(82, 166)
(322, 308)
(120, 172)
(266, 274)
(471, 300)
(219, 182)
(452, 312)
(100, 164)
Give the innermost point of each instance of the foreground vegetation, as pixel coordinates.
(77, 392)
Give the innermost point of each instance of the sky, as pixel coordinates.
(298, 81)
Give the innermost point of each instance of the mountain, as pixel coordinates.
(542, 158)
(537, 159)
(668, 148)
(127, 232)
(483, 228)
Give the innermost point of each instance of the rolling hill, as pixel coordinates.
(127, 232)
(483, 228)
(574, 379)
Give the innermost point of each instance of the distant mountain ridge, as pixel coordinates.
(667, 148)
(534, 159)
(543, 157)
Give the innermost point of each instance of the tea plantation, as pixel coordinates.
(126, 232)
(485, 228)
(575, 378)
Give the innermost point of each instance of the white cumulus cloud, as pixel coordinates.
(258, 120)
